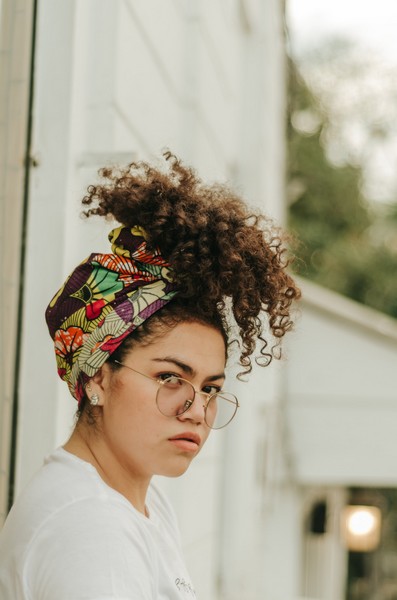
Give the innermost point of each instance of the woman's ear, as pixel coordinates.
(97, 386)
(98, 378)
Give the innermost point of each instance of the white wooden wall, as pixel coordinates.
(122, 79)
(15, 59)
(342, 383)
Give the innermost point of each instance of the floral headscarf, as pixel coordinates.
(104, 299)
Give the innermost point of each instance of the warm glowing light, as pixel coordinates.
(361, 527)
(361, 522)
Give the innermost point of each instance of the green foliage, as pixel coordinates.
(344, 243)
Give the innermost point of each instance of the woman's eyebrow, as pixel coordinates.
(187, 369)
(216, 377)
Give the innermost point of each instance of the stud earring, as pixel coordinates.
(94, 400)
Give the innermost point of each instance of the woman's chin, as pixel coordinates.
(176, 470)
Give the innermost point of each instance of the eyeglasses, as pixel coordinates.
(176, 395)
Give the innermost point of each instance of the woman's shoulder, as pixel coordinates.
(67, 520)
(64, 489)
(68, 493)
(63, 478)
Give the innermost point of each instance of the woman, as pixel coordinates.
(141, 337)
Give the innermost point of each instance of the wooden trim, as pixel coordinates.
(16, 21)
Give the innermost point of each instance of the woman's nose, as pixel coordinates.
(196, 410)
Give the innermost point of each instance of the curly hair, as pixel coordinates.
(225, 257)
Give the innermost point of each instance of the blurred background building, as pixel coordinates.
(84, 84)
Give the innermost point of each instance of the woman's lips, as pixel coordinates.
(187, 441)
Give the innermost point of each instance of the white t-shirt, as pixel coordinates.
(70, 536)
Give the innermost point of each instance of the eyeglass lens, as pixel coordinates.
(175, 396)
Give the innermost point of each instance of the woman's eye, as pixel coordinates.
(169, 377)
(211, 389)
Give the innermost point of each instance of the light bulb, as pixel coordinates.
(361, 522)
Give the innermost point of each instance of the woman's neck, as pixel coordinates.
(90, 447)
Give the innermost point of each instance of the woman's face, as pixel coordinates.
(135, 435)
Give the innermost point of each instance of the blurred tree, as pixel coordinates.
(357, 89)
(346, 244)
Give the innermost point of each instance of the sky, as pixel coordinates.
(373, 22)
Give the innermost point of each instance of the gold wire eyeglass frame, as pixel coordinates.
(189, 403)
